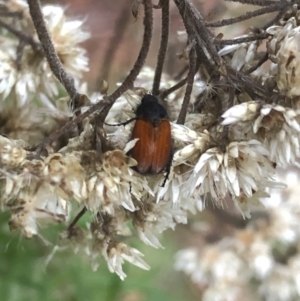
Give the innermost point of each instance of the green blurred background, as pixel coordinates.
(68, 276)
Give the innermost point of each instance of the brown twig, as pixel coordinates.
(106, 103)
(249, 15)
(249, 38)
(181, 72)
(243, 82)
(19, 54)
(53, 60)
(189, 87)
(254, 2)
(129, 80)
(77, 218)
(276, 18)
(165, 19)
(258, 64)
(36, 46)
(167, 92)
(203, 33)
(193, 24)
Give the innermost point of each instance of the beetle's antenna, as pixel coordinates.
(122, 123)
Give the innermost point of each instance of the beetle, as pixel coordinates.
(153, 150)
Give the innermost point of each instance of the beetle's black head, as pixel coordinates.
(151, 110)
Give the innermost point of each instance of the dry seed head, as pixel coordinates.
(12, 152)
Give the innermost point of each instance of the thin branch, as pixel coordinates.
(231, 95)
(249, 38)
(277, 17)
(53, 60)
(189, 25)
(70, 125)
(192, 31)
(181, 72)
(106, 103)
(19, 54)
(203, 33)
(129, 80)
(77, 218)
(167, 92)
(204, 60)
(244, 82)
(258, 64)
(189, 87)
(165, 19)
(249, 15)
(22, 36)
(254, 2)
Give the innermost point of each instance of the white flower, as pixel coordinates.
(31, 123)
(208, 176)
(189, 143)
(247, 204)
(123, 110)
(199, 122)
(63, 175)
(284, 224)
(80, 143)
(116, 255)
(228, 267)
(241, 112)
(294, 265)
(244, 53)
(67, 175)
(246, 166)
(278, 128)
(186, 260)
(35, 206)
(114, 252)
(8, 72)
(66, 36)
(230, 48)
(173, 188)
(34, 75)
(284, 51)
(156, 219)
(240, 169)
(211, 266)
(275, 126)
(255, 249)
(225, 291)
(12, 152)
(15, 180)
(279, 286)
(111, 182)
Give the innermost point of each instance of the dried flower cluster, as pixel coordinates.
(234, 119)
(259, 262)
